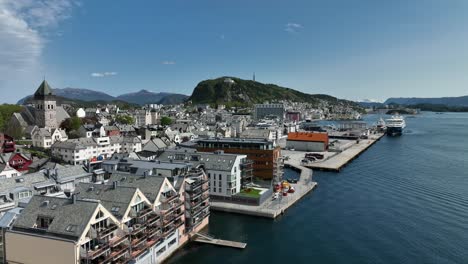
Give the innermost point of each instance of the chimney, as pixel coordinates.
(74, 198)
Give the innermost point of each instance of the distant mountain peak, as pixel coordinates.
(141, 97)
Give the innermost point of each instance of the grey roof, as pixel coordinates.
(63, 212)
(70, 173)
(77, 143)
(210, 160)
(150, 186)
(155, 144)
(27, 181)
(7, 219)
(255, 133)
(110, 197)
(43, 89)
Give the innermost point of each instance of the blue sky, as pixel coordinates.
(349, 49)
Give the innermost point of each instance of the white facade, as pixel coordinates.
(222, 182)
(79, 151)
(45, 138)
(9, 172)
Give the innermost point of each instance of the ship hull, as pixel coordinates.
(394, 131)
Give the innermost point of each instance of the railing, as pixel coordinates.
(106, 231)
(92, 254)
(165, 199)
(194, 204)
(194, 211)
(117, 241)
(169, 230)
(144, 212)
(195, 185)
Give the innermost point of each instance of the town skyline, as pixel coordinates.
(356, 51)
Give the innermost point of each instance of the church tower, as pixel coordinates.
(46, 106)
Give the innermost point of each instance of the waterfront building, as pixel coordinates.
(264, 154)
(308, 141)
(227, 173)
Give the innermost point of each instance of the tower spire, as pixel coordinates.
(254, 76)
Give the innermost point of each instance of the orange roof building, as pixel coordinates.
(308, 141)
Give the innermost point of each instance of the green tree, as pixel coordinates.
(125, 119)
(6, 111)
(71, 124)
(166, 121)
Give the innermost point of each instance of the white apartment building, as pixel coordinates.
(224, 170)
(81, 150)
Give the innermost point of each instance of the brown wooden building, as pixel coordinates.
(263, 153)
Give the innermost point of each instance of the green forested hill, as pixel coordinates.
(247, 92)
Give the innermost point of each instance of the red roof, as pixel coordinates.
(308, 136)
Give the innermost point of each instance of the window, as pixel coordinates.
(115, 209)
(220, 177)
(172, 242)
(43, 221)
(71, 228)
(219, 184)
(160, 251)
(24, 194)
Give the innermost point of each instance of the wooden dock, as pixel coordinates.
(202, 238)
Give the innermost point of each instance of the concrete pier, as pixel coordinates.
(336, 161)
(273, 208)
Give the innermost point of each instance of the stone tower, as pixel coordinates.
(46, 106)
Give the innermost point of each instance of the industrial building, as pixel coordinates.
(308, 141)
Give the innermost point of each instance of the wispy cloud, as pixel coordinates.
(103, 74)
(222, 37)
(168, 62)
(293, 27)
(24, 27)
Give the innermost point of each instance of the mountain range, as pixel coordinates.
(448, 101)
(141, 97)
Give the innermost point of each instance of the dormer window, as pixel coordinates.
(43, 221)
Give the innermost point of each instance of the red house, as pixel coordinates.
(293, 116)
(7, 144)
(112, 131)
(20, 161)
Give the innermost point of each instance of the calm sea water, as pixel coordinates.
(405, 200)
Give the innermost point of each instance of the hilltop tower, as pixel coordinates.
(46, 106)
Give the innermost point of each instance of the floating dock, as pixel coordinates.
(203, 238)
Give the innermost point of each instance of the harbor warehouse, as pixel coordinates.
(308, 141)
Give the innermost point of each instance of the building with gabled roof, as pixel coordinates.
(63, 230)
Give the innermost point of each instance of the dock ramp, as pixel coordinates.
(203, 238)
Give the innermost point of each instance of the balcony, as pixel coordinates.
(154, 234)
(196, 185)
(153, 220)
(137, 229)
(104, 232)
(98, 251)
(197, 209)
(144, 212)
(117, 241)
(168, 198)
(196, 202)
(168, 230)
